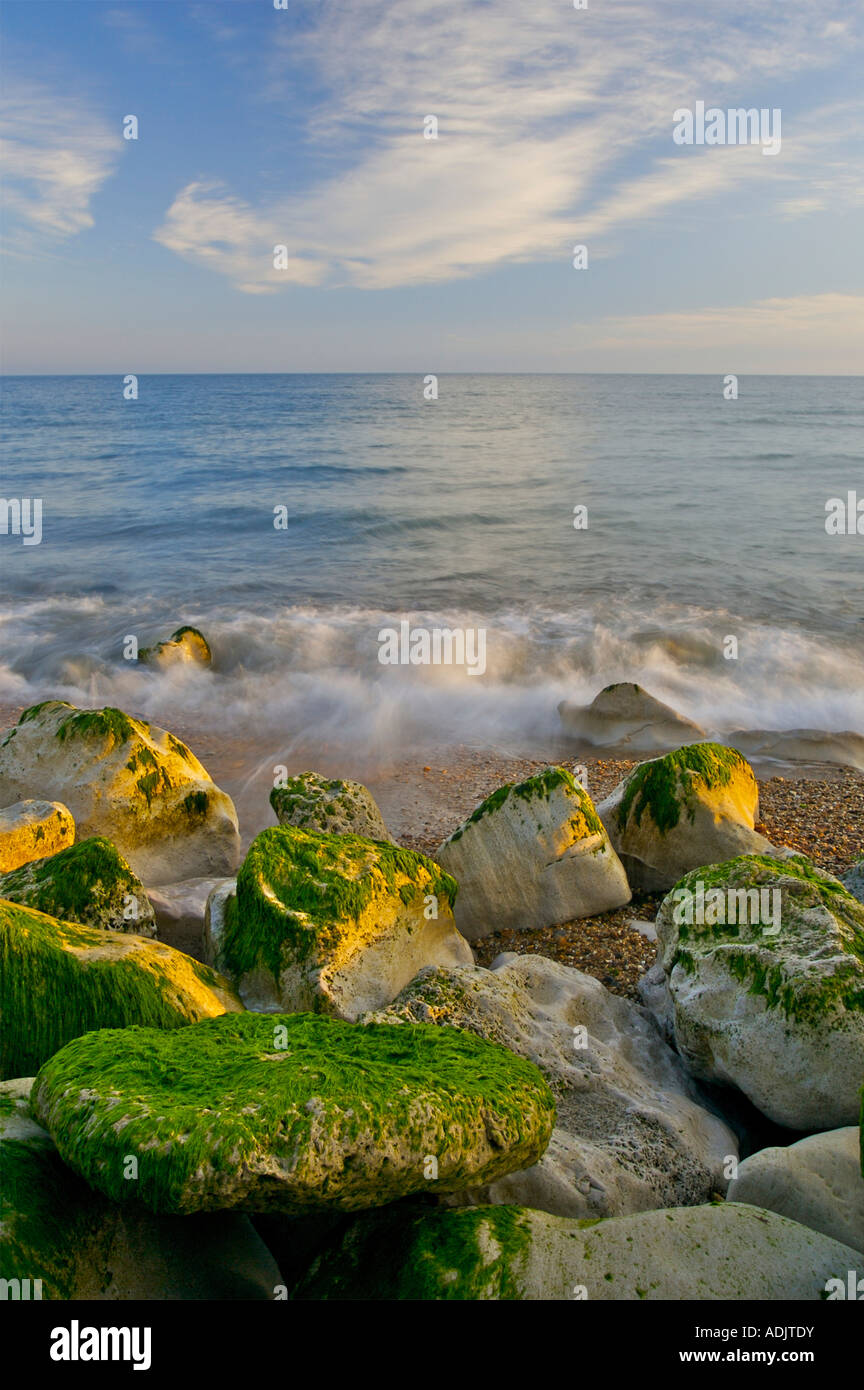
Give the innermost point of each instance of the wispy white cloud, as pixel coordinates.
(554, 125)
(56, 154)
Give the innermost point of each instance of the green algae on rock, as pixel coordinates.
(510, 1253)
(772, 1003)
(186, 646)
(59, 980)
(532, 854)
(77, 1244)
(330, 806)
(332, 923)
(33, 829)
(128, 780)
(292, 1112)
(695, 806)
(89, 883)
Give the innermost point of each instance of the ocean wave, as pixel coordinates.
(312, 671)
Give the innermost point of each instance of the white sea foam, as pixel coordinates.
(312, 673)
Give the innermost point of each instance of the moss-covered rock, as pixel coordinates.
(89, 883)
(766, 979)
(532, 854)
(33, 829)
(631, 1132)
(695, 806)
(70, 1242)
(59, 979)
(137, 785)
(329, 806)
(291, 1112)
(725, 1251)
(331, 923)
(187, 646)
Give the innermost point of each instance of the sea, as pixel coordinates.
(596, 528)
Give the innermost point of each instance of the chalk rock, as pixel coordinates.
(817, 1181)
(331, 923)
(59, 979)
(89, 883)
(531, 855)
(185, 647)
(773, 1007)
(695, 806)
(78, 1245)
(135, 784)
(290, 1113)
(329, 806)
(33, 829)
(631, 1132)
(626, 714)
(706, 1254)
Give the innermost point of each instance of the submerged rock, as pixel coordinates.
(695, 806)
(331, 923)
(187, 646)
(801, 745)
(59, 979)
(773, 1007)
(33, 829)
(721, 1252)
(127, 780)
(89, 883)
(817, 1181)
(290, 1113)
(56, 1230)
(532, 855)
(328, 806)
(626, 714)
(631, 1133)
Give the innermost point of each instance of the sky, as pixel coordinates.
(304, 127)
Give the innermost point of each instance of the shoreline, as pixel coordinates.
(817, 809)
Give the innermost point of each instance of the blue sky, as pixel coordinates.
(304, 128)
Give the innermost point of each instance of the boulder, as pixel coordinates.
(290, 1112)
(628, 716)
(801, 746)
(631, 1133)
(726, 1251)
(89, 883)
(180, 909)
(185, 647)
(56, 1230)
(331, 923)
(817, 1181)
(329, 806)
(531, 855)
(774, 1007)
(135, 784)
(695, 806)
(33, 829)
(59, 979)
